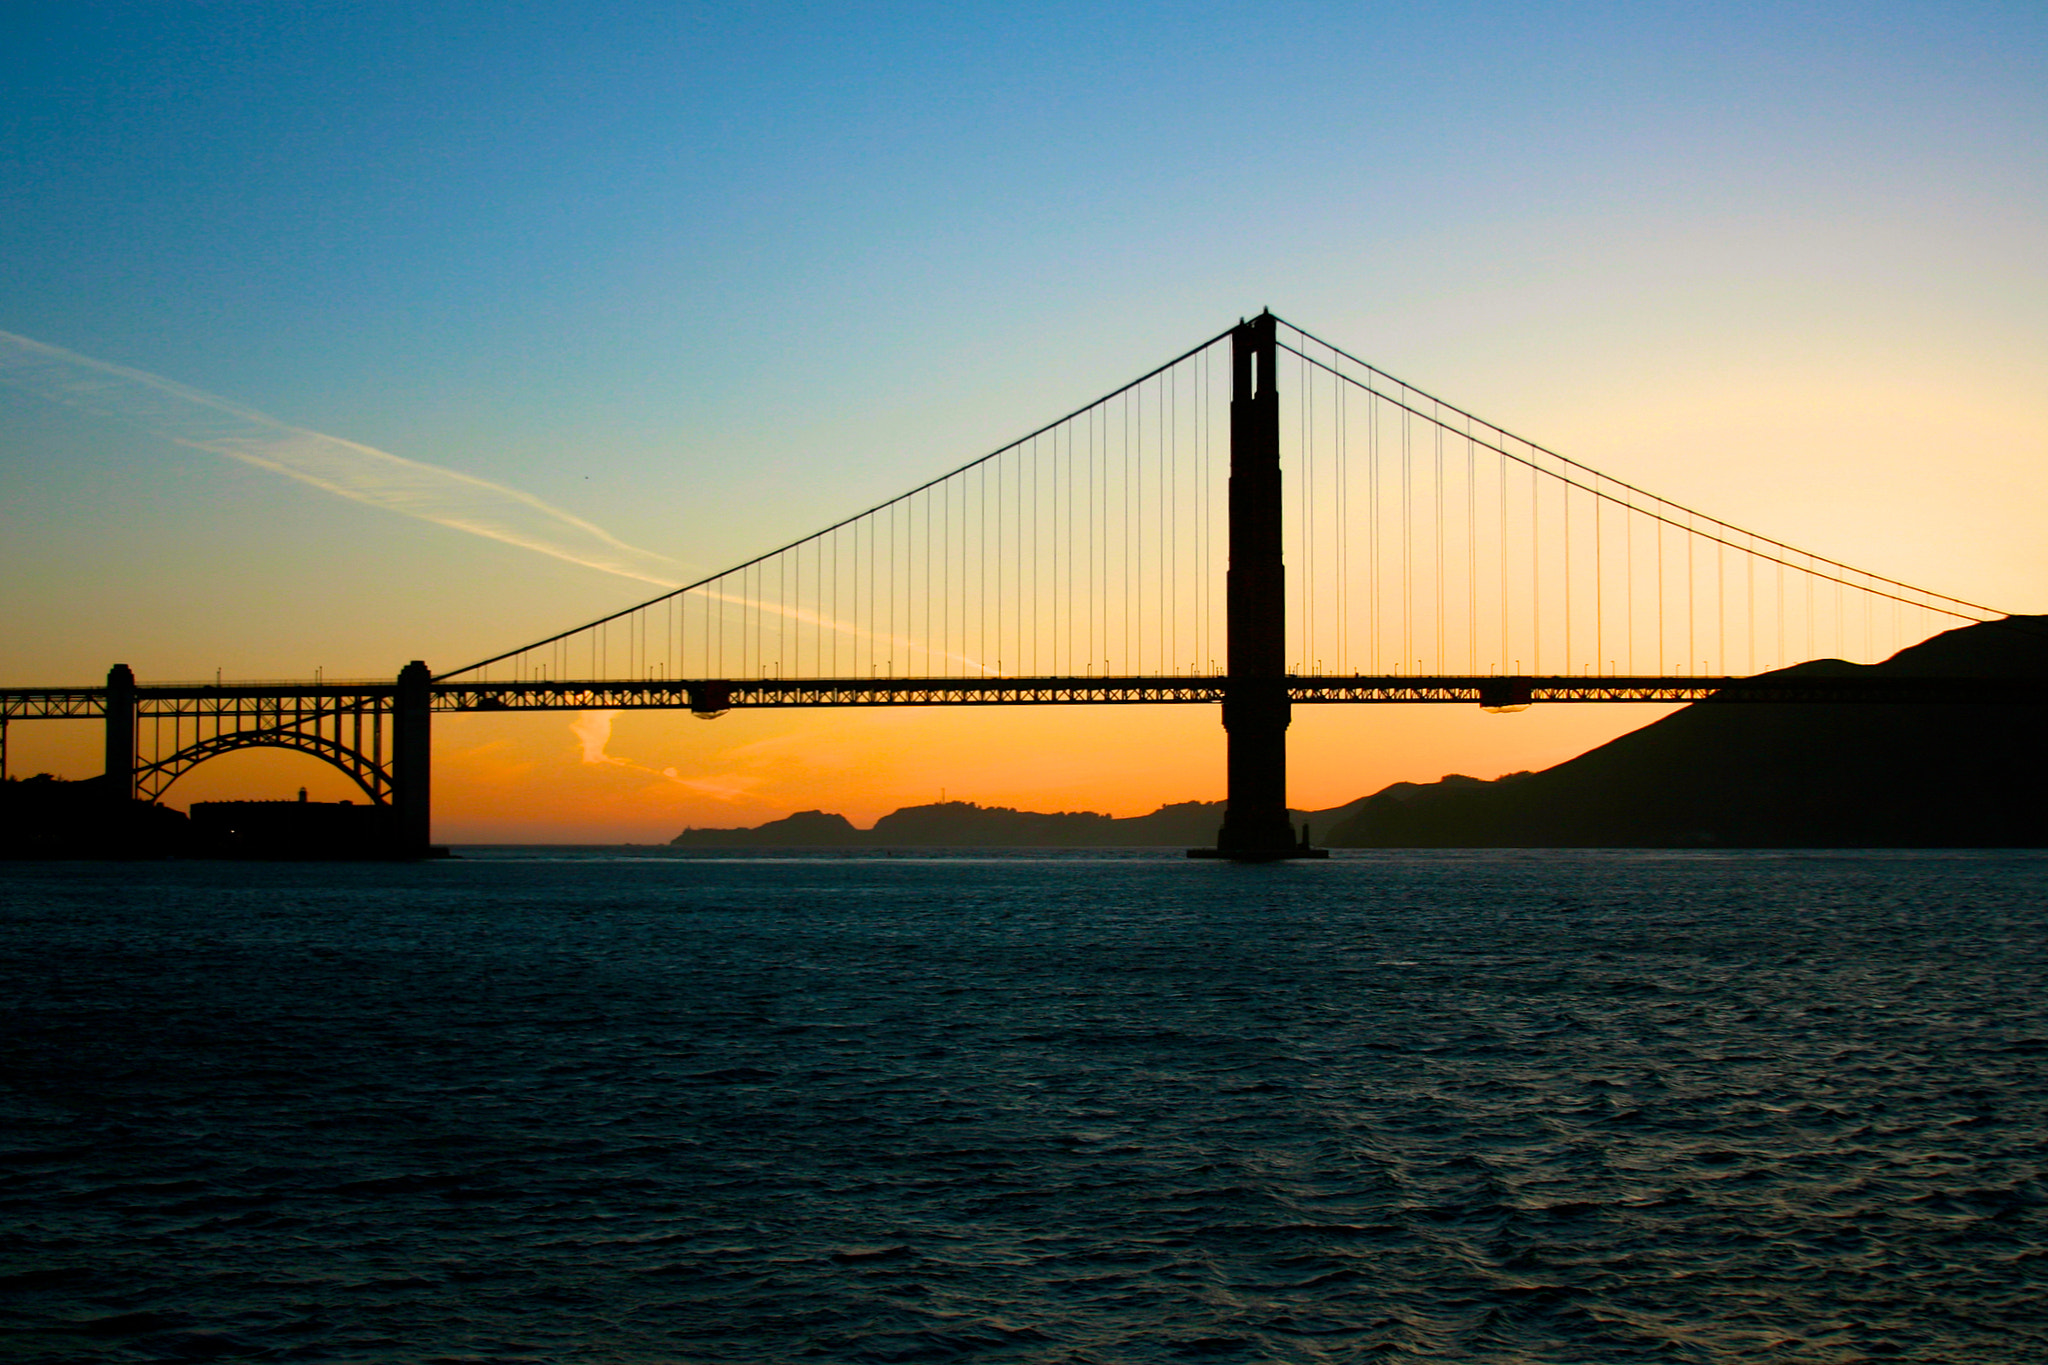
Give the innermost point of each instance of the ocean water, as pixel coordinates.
(626, 1106)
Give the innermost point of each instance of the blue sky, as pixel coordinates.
(710, 276)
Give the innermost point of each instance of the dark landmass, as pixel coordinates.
(962, 824)
(1737, 775)
(295, 829)
(1745, 775)
(48, 817)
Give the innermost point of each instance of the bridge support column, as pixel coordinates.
(1256, 709)
(412, 753)
(120, 760)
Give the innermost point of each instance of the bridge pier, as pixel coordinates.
(1256, 709)
(120, 750)
(412, 753)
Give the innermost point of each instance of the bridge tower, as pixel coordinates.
(120, 751)
(412, 752)
(1256, 710)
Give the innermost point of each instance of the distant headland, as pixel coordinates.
(963, 824)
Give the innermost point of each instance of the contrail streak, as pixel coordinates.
(810, 618)
(362, 473)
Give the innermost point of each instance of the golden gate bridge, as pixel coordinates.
(1263, 521)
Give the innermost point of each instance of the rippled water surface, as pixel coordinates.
(592, 1106)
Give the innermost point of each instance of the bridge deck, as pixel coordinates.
(1359, 688)
(252, 700)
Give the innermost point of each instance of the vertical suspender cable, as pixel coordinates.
(1720, 608)
(1501, 548)
(1340, 491)
(1692, 657)
(1749, 612)
(1437, 515)
(1138, 481)
(1340, 404)
(1471, 553)
(1372, 432)
(946, 563)
(1054, 589)
(1565, 488)
(1779, 660)
(1812, 614)
(1535, 574)
(1407, 544)
(1169, 523)
(986, 607)
(1869, 601)
(1307, 573)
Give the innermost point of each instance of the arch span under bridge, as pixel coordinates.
(1138, 551)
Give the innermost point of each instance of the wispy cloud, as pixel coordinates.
(805, 617)
(593, 731)
(361, 473)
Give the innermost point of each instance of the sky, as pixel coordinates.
(338, 335)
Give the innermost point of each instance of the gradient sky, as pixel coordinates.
(701, 279)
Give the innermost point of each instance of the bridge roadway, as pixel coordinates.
(272, 701)
(715, 697)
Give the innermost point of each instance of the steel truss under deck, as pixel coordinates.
(716, 696)
(357, 713)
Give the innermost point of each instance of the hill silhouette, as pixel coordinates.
(1756, 775)
(48, 817)
(963, 824)
(1760, 775)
